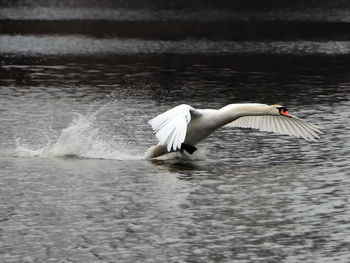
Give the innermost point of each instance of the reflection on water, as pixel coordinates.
(191, 15)
(86, 46)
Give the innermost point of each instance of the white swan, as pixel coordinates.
(182, 127)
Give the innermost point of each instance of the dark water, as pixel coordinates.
(74, 185)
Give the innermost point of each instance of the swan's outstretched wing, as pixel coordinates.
(279, 124)
(171, 126)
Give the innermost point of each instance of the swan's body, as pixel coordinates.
(183, 126)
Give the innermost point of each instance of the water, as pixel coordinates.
(74, 184)
(84, 46)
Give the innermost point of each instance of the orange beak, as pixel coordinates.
(284, 113)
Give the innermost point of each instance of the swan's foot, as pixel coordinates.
(188, 148)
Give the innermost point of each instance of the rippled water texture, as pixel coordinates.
(74, 184)
(75, 187)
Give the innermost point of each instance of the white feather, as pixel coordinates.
(171, 126)
(279, 124)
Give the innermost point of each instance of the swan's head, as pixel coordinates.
(280, 110)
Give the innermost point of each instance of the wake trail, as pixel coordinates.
(82, 138)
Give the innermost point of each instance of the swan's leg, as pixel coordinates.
(188, 148)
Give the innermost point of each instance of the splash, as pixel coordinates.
(199, 155)
(81, 139)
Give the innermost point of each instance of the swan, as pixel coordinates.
(182, 127)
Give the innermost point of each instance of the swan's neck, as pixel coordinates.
(232, 112)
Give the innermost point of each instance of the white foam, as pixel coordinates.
(80, 139)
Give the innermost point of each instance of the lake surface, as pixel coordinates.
(74, 184)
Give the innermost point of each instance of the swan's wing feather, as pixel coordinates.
(171, 126)
(279, 124)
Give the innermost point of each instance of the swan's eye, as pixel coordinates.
(282, 109)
